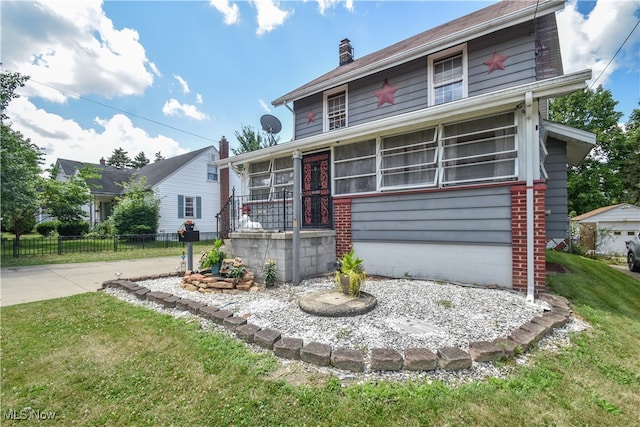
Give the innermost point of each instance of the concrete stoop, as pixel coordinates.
(381, 359)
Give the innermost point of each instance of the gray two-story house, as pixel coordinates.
(433, 157)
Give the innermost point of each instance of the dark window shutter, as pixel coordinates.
(180, 206)
(198, 207)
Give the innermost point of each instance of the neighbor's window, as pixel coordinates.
(479, 150)
(355, 167)
(212, 173)
(409, 160)
(336, 108)
(189, 207)
(448, 81)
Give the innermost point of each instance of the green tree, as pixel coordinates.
(159, 157)
(20, 162)
(138, 211)
(630, 170)
(250, 140)
(119, 159)
(65, 200)
(140, 161)
(596, 182)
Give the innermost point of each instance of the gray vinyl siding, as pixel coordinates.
(411, 80)
(556, 197)
(520, 67)
(457, 216)
(310, 104)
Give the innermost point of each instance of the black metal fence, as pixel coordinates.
(269, 211)
(73, 244)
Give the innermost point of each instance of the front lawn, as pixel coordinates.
(95, 360)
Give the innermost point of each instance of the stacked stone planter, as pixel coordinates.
(381, 359)
(209, 283)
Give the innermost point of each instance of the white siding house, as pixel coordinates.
(614, 225)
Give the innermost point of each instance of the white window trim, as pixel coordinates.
(217, 173)
(465, 70)
(325, 106)
(193, 207)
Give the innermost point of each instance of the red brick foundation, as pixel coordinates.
(342, 225)
(519, 237)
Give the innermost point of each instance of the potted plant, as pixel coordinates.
(213, 258)
(350, 274)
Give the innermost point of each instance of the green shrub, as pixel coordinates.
(47, 228)
(73, 228)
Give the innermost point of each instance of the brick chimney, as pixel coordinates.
(103, 161)
(346, 52)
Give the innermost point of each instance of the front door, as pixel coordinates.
(316, 191)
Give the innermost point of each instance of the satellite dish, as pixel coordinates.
(271, 125)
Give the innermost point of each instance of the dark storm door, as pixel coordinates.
(316, 191)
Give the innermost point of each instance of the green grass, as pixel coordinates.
(95, 360)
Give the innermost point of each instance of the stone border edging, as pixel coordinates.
(382, 359)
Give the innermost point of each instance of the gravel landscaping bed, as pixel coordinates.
(409, 313)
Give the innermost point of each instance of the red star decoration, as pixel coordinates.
(496, 62)
(311, 117)
(386, 93)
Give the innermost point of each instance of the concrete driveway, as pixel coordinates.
(26, 284)
(625, 269)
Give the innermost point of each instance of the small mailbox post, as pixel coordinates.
(189, 236)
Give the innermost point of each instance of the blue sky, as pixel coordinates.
(170, 77)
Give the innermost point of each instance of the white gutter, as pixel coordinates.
(515, 18)
(530, 159)
(487, 103)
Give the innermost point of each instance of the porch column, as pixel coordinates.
(297, 209)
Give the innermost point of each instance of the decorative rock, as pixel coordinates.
(484, 351)
(142, 292)
(420, 359)
(220, 315)
(266, 338)
(207, 311)
(194, 307)
(246, 332)
(184, 303)
(233, 322)
(557, 319)
(316, 353)
(453, 358)
(535, 328)
(288, 348)
(545, 322)
(508, 346)
(169, 301)
(561, 311)
(385, 359)
(523, 338)
(157, 296)
(348, 359)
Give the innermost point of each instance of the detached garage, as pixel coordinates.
(607, 229)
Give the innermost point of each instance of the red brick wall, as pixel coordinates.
(342, 225)
(519, 237)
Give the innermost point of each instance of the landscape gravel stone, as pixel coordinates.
(409, 314)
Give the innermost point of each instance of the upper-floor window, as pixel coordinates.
(448, 75)
(212, 173)
(336, 108)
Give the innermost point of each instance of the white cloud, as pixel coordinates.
(66, 139)
(183, 83)
(270, 16)
(264, 105)
(174, 108)
(198, 98)
(323, 5)
(592, 41)
(73, 46)
(230, 11)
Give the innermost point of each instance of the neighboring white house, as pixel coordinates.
(614, 224)
(188, 187)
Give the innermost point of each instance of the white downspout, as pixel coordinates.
(530, 164)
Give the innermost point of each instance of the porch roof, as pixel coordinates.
(579, 142)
